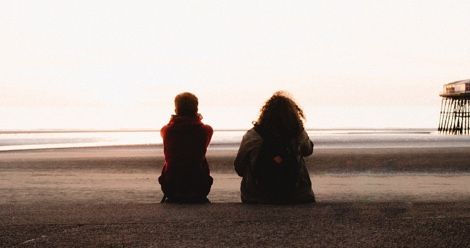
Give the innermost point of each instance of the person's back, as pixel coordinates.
(185, 174)
(277, 167)
(270, 157)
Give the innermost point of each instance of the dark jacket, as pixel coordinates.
(246, 160)
(185, 175)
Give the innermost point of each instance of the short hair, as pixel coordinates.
(186, 104)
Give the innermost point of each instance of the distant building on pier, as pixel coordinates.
(455, 108)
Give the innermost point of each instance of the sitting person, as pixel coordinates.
(270, 157)
(185, 175)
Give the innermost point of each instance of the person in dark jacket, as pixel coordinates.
(185, 175)
(280, 123)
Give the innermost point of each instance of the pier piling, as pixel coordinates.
(454, 116)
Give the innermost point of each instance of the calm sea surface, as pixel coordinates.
(230, 139)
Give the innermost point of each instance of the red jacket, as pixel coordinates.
(185, 174)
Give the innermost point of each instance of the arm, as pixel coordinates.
(209, 133)
(306, 145)
(163, 131)
(248, 151)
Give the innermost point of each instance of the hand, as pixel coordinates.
(278, 160)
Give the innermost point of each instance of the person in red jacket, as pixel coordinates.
(185, 175)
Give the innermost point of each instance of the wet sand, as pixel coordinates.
(95, 197)
(330, 160)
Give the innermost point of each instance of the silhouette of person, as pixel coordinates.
(185, 175)
(271, 155)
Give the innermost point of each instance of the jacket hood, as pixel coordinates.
(185, 120)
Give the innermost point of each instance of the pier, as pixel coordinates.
(455, 108)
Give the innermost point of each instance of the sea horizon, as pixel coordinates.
(91, 130)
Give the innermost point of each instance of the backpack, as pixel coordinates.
(277, 169)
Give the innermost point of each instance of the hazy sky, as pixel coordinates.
(118, 64)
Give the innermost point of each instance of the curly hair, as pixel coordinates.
(281, 116)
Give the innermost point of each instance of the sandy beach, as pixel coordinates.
(95, 197)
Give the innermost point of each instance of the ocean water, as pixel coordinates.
(230, 139)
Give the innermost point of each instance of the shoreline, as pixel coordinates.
(327, 160)
(112, 173)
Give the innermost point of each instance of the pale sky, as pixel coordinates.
(118, 64)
